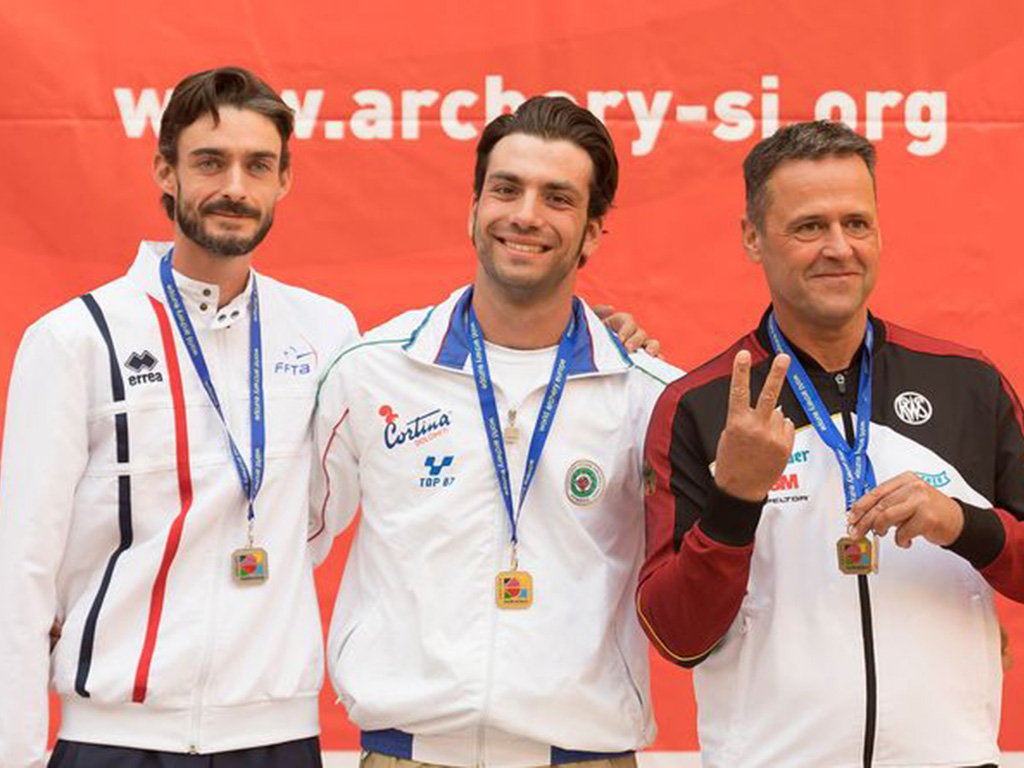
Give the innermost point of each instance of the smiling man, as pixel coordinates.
(154, 493)
(815, 642)
(486, 615)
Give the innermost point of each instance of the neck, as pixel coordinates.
(833, 348)
(229, 273)
(528, 324)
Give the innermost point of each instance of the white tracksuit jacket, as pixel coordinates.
(418, 649)
(115, 524)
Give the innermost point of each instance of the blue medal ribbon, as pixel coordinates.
(545, 419)
(858, 474)
(251, 482)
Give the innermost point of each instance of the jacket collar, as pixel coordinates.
(441, 339)
(200, 298)
(811, 365)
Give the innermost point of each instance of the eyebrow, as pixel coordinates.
(216, 152)
(556, 186)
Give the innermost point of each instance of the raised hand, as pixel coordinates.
(625, 326)
(757, 441)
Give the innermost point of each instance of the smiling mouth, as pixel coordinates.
(522, 247)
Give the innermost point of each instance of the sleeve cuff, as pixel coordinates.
(982, 537)
(730, 521)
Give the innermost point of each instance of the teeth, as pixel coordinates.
(523, 247)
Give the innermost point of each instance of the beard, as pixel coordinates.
(221, 245)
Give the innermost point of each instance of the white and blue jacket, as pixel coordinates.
(423, 659)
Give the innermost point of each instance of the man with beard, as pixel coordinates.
(154, 484)
(486, 613)
(155, 477)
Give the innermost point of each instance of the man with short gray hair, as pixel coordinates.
(780, 467)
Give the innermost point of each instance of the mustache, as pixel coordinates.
(232, 207)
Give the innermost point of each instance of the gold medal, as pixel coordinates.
(857, 556)
(250, 565)
(513, 589)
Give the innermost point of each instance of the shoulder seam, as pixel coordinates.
(353, 348)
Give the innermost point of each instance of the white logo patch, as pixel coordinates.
(913, 408)
(584, 482)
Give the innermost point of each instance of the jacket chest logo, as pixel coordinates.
(913, 408)
(419, 430)
(141, 365)
(296, 362)
(584, 482)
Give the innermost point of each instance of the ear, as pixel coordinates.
(751, 240)
(165, 175)
(591, 238)
(286, 182)
(471, 221)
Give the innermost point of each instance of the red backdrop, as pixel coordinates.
(391, 96)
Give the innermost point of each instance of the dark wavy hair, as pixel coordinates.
(552, 118)
(203, 93)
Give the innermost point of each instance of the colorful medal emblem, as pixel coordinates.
(514, 589)
(857, 556)
(250, 565)
(584, 482)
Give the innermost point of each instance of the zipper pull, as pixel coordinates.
(841, 383)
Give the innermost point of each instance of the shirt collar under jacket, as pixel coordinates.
(200, 298)
(441, 339)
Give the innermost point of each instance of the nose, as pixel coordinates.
(526, 212)
(836, 243)
(234, 182)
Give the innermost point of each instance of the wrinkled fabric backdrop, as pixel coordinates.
(390, 97)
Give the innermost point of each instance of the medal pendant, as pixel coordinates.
(857, 556)
(513, 589)
(250, 565)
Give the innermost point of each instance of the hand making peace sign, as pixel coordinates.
(757, 441)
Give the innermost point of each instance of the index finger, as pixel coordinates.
(769, 396)
(739, 385)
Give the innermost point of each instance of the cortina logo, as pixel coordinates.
(143, 364)
(435, 467)
(419, 430)
(913, 408)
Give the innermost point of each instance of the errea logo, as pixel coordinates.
(913, 408)
(141, 365)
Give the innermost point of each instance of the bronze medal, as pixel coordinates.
(857, 556)
(250, 565)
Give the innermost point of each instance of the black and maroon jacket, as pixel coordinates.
(751, 592)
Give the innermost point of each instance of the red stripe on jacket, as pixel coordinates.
(156, 602)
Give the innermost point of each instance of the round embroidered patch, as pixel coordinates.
(584, 482)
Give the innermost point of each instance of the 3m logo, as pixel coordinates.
(787, 483)
(140, 362)
(913, 408)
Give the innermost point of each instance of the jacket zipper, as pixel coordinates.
(206, 660)
(867, 630)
